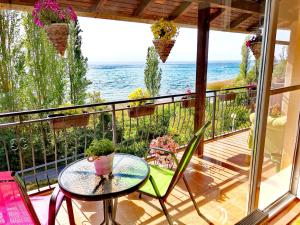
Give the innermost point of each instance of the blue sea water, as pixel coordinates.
(115, 81)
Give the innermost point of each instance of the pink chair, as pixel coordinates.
(17, 208)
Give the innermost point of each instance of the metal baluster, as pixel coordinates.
(76, 143)
(33, 156)
(188, 123)
(6, 154)
(85, 138)
(149, 128)
(94, 121)
(179, 119)
(213, 125)
(55, 151)
(123, 125)
(66, 145)
(19, 148)
(43, 138)
(174, 112)
(114, 123)
(103, 126)
(156, 118)
(183, 121)
(137, 128)
(129, 135)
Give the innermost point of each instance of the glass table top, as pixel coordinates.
(78, 180)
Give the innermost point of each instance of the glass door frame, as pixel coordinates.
(263, 95)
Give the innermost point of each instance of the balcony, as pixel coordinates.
(40, 143)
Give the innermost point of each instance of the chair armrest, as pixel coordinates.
(166, 151)
(53, 205)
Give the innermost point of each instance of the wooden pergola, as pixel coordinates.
(244, 16)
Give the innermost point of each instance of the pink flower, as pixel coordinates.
(248, 43)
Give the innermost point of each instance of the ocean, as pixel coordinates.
(115, 81)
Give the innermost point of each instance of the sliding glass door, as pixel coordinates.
(277, 115)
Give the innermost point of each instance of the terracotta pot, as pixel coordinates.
(163, 48)
(227, 97)
(104, 164)
(58, 35)
(256, 49)
(144, 110)
(81, 120)
(188, 103)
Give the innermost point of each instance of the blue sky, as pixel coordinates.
(116, 41)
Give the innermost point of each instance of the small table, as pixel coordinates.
(79, 181)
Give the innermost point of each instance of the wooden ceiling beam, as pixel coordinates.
(216, 14)
(239, 20)
(253, 27)
(238, 5)
(181, 9)
(99, 6)
(141, 7)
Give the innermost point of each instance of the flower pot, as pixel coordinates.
(58, 35)
(104, 164)
(256, 49)
(69, 121)
(227, 97)
(163, 48)
(188, 102)
(139, 111)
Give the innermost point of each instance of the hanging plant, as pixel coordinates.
(165, 33)
(254, 43)
(49, 15)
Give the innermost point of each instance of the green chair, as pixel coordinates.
(162, 181)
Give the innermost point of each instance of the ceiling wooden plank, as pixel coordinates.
(99, 6)
(238, 5)
(239, 20)
(216, 14)
(253, 27)
(141, 7)
(183, 7)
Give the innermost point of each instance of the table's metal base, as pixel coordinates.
(109, 211)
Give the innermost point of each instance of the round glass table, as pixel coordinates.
(79, 181)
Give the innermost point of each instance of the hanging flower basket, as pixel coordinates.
(254, 43)
(144, 110)
(68, 121)
(163, 48)
(58, 35)
(164, 33)
(256, 49)
(48, 15)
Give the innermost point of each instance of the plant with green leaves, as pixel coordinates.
(152, 73)
(138, 93)
(76, 66)
(12, 62)
(100, 148)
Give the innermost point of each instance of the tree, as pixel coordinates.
(246, 61)
(76, 67)
(280, 66)
(46, 69)
(152, 73)
(12, 61)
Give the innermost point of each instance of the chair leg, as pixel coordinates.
(194, 201)
(161, 201)
(70, 210)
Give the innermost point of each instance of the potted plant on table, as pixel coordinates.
(140, 107)
(69, 118)
(254, 43)
(188, 101)
(101, 153)
(163, 157)
(49, 15)
(164, 33)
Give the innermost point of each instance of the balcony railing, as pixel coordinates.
(39, 143)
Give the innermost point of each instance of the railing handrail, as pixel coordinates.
(37, 111)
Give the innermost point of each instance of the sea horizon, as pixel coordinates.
(115, 80)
